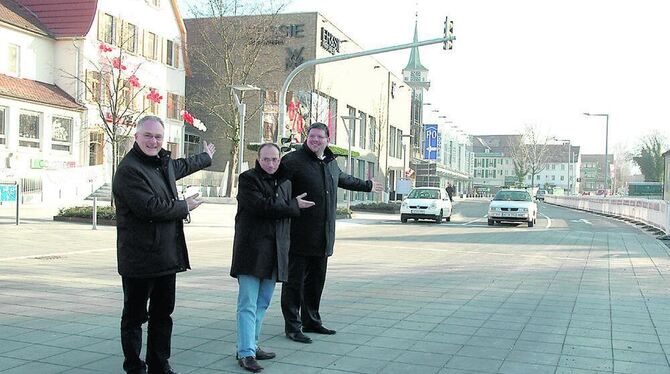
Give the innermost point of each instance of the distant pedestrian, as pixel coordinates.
(150, 242)
(450, 191)
(260, 247)
(314, 170)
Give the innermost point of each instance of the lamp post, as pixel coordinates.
(569, 158)
(237, 91)
(350, 136)
(607, 166)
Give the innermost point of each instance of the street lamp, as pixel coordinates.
(569, 158)
(237, 91)
(607, 121)
(350, 136)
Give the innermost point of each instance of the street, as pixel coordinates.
(577, 293)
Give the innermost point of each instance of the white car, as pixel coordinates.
(426, 203)
(511, 205)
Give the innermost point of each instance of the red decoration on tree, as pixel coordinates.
(104, 47)
(154, 96)
(134, 81)
(117, 64)
(188, 117)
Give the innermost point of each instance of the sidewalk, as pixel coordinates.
(420, 298)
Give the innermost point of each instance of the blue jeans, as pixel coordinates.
(253, 300)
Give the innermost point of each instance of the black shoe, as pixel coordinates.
(262, 355)
(299, 337)
(166, 370)
(319, 330)
(249, 363)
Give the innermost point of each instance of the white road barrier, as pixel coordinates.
(652, 212)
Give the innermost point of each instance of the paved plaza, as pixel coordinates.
(417, 298)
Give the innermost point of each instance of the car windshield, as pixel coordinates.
(424, 194)
(512, 196)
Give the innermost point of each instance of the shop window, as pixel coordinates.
(29, 130)
(191, 145)
(61, 130)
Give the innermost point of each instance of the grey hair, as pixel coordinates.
(149, 118)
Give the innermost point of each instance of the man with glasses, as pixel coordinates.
(314, 170)
(150, 242)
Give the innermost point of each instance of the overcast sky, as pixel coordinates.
(518, 62)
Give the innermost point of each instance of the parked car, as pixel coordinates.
(426, 203)
(540, 194)
(510, 205)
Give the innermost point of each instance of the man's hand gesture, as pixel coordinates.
(302, 204)
(209, 149)
(193, 202)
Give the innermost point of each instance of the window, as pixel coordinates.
(373, 133)
(149, 107)
(398, 143)
(106, 30)
(175, 104)
(96, 146)
(169, 52)
(13, 59)
(93, 86)
(149, 50)
(352, 126)
(29, 130)
(156, 3)
(3, 127)
(363, 131)
(61, 133)
(129, 37)
(191, 145)
(392, 140)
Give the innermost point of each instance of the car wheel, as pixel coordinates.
(448, 219)
(490, 222)
(403, 219)
(438, 219)
(531, 223)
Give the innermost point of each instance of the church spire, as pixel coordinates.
(414, 62)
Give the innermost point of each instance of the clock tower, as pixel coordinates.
(415, 76)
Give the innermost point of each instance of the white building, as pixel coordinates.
(51, 133)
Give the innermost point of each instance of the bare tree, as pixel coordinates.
(621, 165)
(113, 87)
(649, 156)
(536, 151)
(226, 49)
(519, 159)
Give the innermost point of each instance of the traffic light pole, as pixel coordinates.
(318, 61)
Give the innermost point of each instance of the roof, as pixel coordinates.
(37, 92)
(495, 143)
(15, 14)
(63, 18)
(558, 153)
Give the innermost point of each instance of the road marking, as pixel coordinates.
(548, 220)
(583, 221)
(473, 221)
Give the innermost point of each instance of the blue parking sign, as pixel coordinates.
(430, 147)
(8, 192)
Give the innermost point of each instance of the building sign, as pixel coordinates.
(329, 42)
(279, 34)
(7, 192)
(46, 164)
(430, 142)
(294, 58)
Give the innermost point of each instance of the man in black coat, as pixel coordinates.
(150, 242)
(314, 170)
(260, 248)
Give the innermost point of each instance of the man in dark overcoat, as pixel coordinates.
(260, 248)
(150, 242)
(314, 170)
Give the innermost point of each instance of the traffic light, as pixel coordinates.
(448, 33)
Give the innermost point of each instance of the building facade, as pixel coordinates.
(52, 135)
(559, 170)
(365, 105)
(592, 173)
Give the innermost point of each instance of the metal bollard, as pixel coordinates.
(95, 213)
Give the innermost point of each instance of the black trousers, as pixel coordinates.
(160, 293)
(301, 294)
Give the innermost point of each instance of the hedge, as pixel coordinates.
(104, 212)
